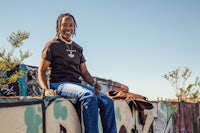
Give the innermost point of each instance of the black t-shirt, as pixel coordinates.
(63, 67)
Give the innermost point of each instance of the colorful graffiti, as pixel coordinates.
(35, 115)
(23, 109)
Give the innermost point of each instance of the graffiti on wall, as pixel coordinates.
(60, 115)
(46, 115)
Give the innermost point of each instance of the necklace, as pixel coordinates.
(69, 50)
(70, 54)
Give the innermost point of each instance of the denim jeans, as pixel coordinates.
(92, 104)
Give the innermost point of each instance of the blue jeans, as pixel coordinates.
(90, 103)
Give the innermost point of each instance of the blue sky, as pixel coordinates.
(134, 42)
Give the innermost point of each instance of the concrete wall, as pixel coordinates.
(59, 115)
(22, 110)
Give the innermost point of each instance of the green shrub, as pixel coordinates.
(8, 60)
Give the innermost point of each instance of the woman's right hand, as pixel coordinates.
(97, 87)
(49, 92)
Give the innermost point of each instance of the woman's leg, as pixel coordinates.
(88, 100)
(107, 114)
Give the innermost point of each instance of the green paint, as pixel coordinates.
(162, 105)
(100, 125)
(118, 114)
(60, 111)
(32, 120)
(169, 112)
(39, 109)
(138, 117)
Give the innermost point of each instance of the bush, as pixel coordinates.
(8, 61)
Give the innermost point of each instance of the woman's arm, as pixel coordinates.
(86, 75)
(89, 79)
(44, 64)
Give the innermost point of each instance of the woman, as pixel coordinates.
(67, 67)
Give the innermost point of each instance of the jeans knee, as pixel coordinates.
(88, 95)
(89, 101)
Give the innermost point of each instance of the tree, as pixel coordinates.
(178, 79)
(8, 61)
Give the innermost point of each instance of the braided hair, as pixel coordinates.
(58, 23)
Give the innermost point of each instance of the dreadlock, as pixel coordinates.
(58, 23)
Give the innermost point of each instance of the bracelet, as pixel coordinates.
(94, 84)
(95, 81)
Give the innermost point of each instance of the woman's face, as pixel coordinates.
(67, 27)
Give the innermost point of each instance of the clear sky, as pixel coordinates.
(134, 42)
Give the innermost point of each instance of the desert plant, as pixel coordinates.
(9, 61)
(178, 79)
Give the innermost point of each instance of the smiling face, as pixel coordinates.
(67, 27)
